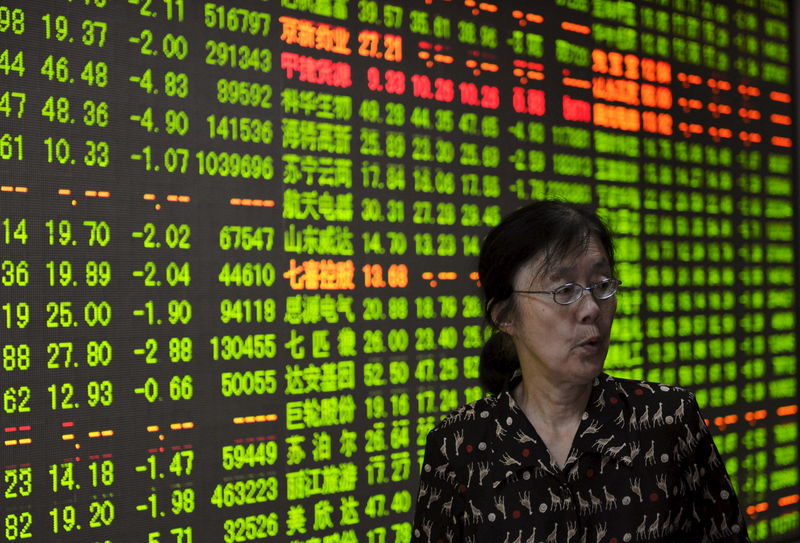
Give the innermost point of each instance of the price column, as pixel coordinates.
(161, 272)
(389, 274)
(65, 373)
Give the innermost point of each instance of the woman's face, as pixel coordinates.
(563, 343)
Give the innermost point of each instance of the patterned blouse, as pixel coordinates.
(642, 467)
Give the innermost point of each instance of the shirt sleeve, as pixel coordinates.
(715, 508)
(436, 513)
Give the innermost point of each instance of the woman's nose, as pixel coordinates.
(588, 307)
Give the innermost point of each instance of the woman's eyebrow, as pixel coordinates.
(563, 271)
(559, 273)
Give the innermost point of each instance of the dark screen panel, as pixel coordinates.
(238, 241)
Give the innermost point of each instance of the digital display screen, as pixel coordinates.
(238, 243)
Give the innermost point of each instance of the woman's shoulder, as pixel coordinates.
(653, 396)
(475, 417)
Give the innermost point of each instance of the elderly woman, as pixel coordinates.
(562, 452)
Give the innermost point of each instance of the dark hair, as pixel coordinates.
(552, 228)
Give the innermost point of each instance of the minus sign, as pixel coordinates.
(138, 273)
(139, 390)
(141, 507)
(138, 312)
(137, 234)
(138, 351)
(141, 468)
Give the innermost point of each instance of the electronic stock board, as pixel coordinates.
(239, 240)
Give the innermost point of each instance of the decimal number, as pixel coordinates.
(176, 84)
(57, 109)
(61, 233)
(176, 121)
(368, 12)
(95, 274)
(60, 354)
(57, 27)
(174, 10)
(96, 153)
(172, 46)
(180, 464)
(173, 274)
(444, 213)
(54, 68)
(371, 45)
(178, 312)
(63, 476)
(65, 518)
(372, 210)
(62, 314)
(180, 350)
(98, 393)
(172, 236)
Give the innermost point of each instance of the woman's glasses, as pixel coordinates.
(572, 292)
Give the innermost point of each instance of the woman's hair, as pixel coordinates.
(549, 228)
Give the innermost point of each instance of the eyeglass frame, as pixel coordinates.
(590, 288)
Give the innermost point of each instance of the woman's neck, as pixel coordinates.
(554, 411)
(552, 405)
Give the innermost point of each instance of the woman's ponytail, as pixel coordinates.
(498, 362)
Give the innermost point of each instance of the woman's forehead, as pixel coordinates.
(548, 265)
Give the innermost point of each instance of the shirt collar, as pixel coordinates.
(602, 431)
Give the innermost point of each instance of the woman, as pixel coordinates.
(563, 452)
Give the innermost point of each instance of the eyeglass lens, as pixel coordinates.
(570, 293)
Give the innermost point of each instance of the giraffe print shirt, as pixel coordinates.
(642, 467)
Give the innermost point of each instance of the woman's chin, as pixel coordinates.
(591, 363)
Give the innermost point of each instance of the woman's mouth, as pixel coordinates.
(591, 344)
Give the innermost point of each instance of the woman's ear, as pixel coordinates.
(501, 316)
